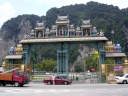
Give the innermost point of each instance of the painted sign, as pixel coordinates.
(118, 68)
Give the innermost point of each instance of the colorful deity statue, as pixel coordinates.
(19, 49)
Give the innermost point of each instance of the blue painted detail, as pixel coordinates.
(62, 59)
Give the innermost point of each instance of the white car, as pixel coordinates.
(123, 79)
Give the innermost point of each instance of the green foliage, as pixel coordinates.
(105, 17)
(73, 52)
(46, 65)
(92, 61)
(109, 61)
(12, 27)
(78, 68)
(42, 51)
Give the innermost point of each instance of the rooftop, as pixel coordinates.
(112, 54)
(13, 57)
(56, 40)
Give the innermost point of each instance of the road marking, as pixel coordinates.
(41, 90)
(14, 90)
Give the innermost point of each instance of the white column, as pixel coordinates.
(62, 31)
(82, 32)
(68, 29)
(56, 31)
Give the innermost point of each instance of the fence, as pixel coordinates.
(88, 77)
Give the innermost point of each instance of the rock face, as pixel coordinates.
(13, 31)
(3, 49)
(106, 17)
(25, 27)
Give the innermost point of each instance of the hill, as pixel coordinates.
(105, 17)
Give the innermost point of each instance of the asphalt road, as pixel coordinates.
(39, 89)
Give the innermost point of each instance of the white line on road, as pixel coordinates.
(41, 90)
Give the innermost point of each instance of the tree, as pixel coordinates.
(46, 65)
(92, 61)
(78, 68)
(109, 61)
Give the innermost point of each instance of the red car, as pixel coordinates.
(57, 80)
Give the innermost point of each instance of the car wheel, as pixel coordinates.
(21, 85)
(65, 83)
(3, 84)
(125, 82)
(49, 83)
(16, 84)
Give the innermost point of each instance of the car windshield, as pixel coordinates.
(62, 77)
(120, 75)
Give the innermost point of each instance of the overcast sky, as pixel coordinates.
(13, 8)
